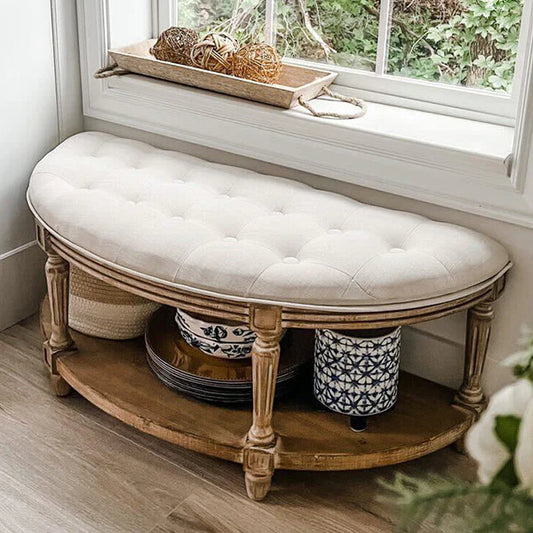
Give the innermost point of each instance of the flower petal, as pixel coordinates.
(524, 450)
(489, 452)
(511, 400)
(518, 358)
(481, 441)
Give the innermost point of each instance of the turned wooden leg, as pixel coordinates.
(470, 395)
(259, 452)
(57, 279)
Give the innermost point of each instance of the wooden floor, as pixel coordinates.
(67, 467)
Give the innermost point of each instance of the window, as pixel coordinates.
(462, 54)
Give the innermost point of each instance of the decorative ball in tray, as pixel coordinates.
(214, 52)
(219, 52)
(175, 45)
(257, 62)
(187, 369)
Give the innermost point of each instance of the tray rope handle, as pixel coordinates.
(111, 70)
(360, 104)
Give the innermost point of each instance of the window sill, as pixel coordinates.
(448, 161)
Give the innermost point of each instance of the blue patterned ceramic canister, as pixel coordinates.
(356, 375)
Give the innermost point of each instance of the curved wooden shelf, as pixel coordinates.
(115, 377)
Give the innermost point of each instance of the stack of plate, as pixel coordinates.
(187, 369)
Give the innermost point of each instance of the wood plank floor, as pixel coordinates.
(67, 467)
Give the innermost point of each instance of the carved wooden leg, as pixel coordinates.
(57, 277)
(259, 452)
(470, 395)
(259, 464)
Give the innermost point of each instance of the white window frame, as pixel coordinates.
(474, 180)
(381, 87)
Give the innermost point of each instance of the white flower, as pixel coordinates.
(521, 358)
(524, 450)
(482, 442)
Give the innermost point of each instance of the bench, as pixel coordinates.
(234, 244)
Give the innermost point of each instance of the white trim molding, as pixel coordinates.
(67, 68)
(17, 250)
(448, 161)
(523, 140)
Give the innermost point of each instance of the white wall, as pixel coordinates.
(434, 349)
(29, 127)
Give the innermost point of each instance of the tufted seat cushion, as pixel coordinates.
(234, 232)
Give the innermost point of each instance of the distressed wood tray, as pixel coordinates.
(295, 81)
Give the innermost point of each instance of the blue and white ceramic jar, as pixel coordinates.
(356, 373)
(229, 341)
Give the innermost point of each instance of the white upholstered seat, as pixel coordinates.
(234, 232)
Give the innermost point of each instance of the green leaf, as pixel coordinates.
(506, 477)
(459, 507)
(506, 428)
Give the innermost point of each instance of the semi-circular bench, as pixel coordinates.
(234, 244)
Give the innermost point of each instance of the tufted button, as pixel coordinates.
(396, 250)
(230, 239)
(277, 212)
(224, 196)
(334, 231)
(291, 260)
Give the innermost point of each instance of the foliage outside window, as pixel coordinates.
(472, 43)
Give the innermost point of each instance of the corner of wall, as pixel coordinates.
(22, 283)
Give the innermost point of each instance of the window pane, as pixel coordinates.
(130, 21)
(465, 42)
(243, 19)
(342, 32)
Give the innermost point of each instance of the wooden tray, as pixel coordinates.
(295, 81)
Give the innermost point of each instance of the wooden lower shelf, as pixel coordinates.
(114, 376)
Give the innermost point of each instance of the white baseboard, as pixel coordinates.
(18, 250)
(439, 359)
(432, 357)
(22, 283)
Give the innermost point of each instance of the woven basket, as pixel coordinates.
(100, 310)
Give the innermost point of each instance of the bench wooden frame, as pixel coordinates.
(260, 453)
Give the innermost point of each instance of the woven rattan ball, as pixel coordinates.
(175, 45)
(258, 62)
(214, 52)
